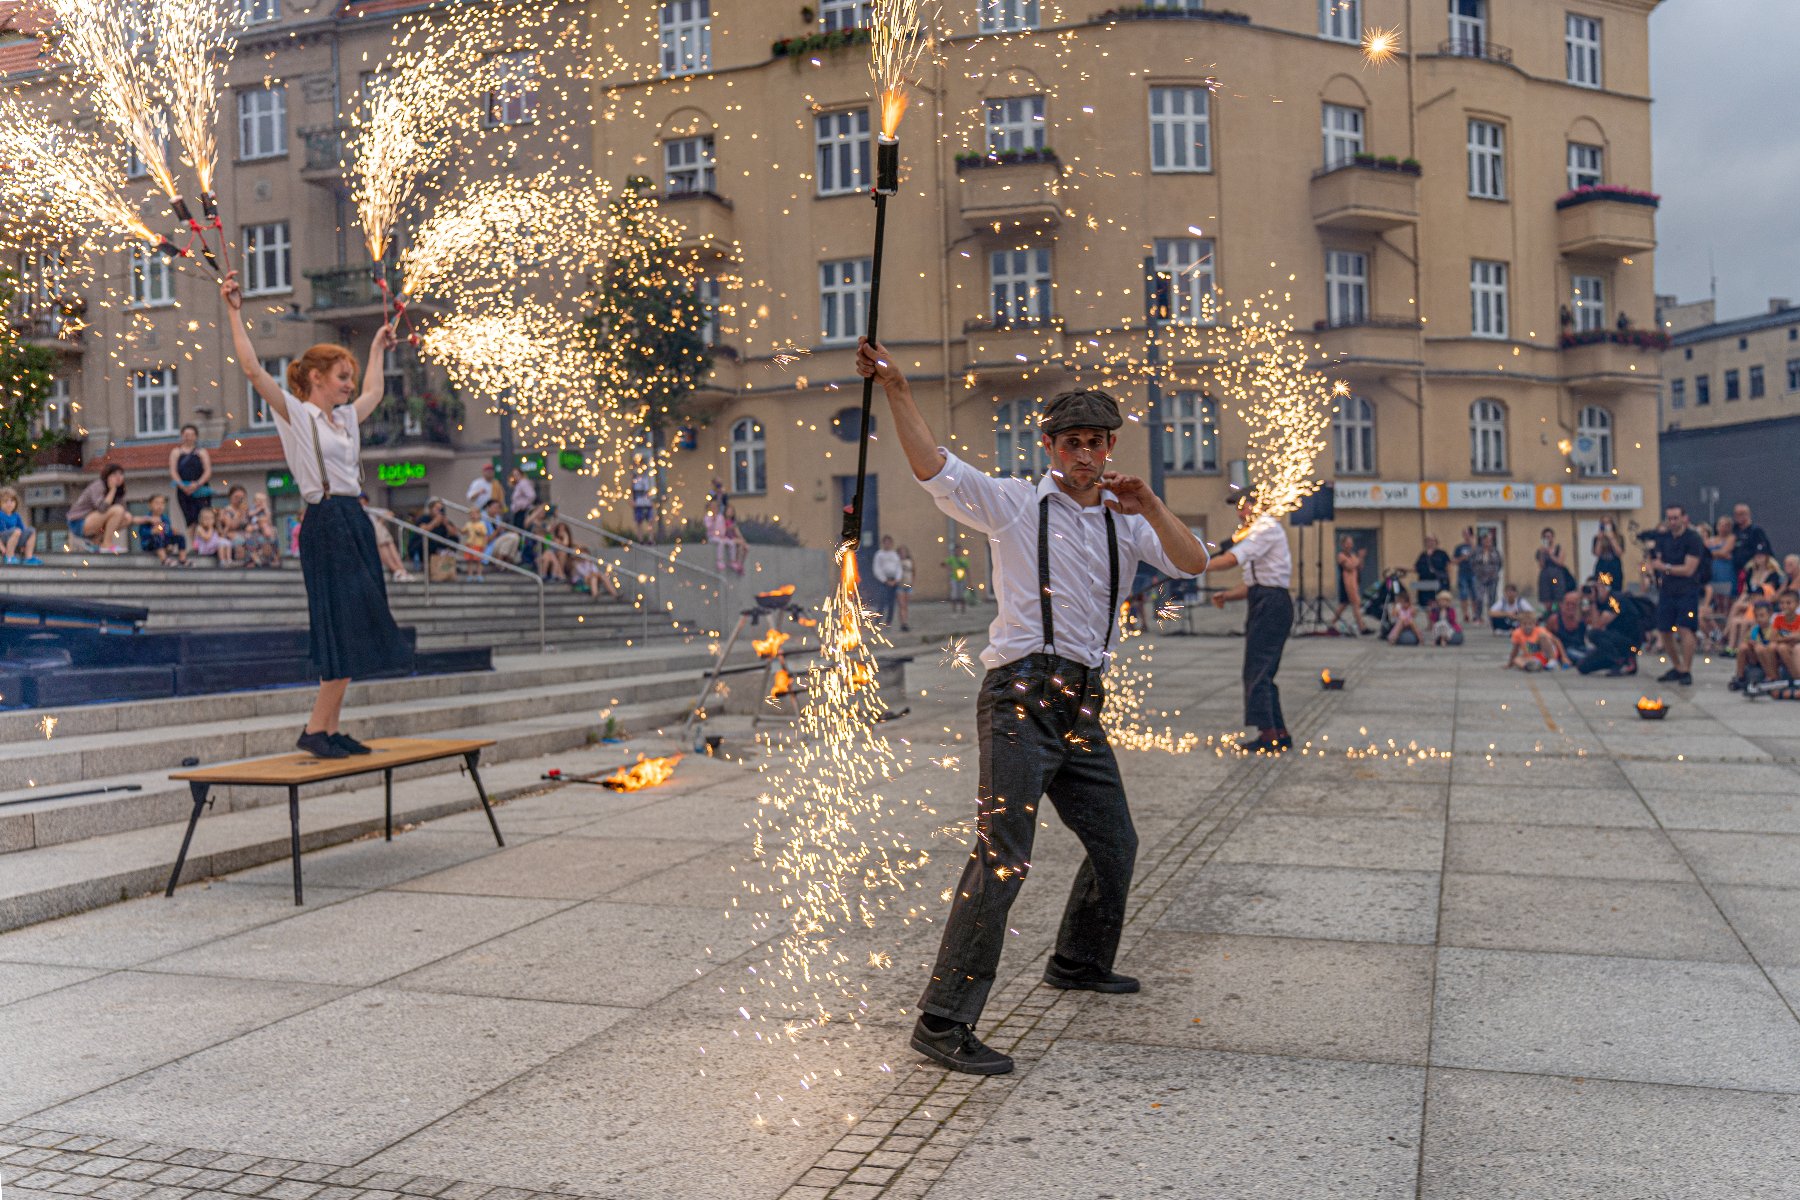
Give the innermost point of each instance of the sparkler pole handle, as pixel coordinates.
(852, 531)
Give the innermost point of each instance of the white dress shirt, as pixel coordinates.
(480, 492)
(339, 444)
(1007, 511)
(1263, 554)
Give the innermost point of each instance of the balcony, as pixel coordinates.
(1015, 345)
(1611, 361)
(1369, 348)
(1011, 191)
(1603, 222)
(1366, 196)
(708, 225)
(62, 456)
(326, 149)
(1473, 45)
(351, 293)
(60, 331)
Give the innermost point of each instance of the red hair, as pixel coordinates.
(321, 358)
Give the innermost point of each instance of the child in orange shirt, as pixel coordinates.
(1534, 648)
(1786, 630)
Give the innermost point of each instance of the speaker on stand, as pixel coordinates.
(1312, 614)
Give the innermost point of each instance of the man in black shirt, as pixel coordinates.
(1676, 559)
(1433, 569)
(1750, 541)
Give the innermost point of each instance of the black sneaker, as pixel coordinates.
(1087, 979)
(1672, 675)
(959, 1049)
(348, 744)
(1685, 679)
(320, 745)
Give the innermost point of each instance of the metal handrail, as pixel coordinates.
(718, 580)
(543, 640)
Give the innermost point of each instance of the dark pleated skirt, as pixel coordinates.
(353, 633)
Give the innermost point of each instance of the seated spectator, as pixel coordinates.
(503, 543)
(252, 534)
(262, 525)
(1446, 629)
(384, 542)
(556, 560)
(1756, 658)
(1403, 629)
(1615, 630)
(210, 541)
(1507, 611)
(18, 541)
(159, 537)
(1762, 580)
(1786, 627)
(1534, 648)
(1569, 623)
(99, 514)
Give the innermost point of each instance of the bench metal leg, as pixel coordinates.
(470, 758)
(388, 783)
(199, 791)
(294, 828)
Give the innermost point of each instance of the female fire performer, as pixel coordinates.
(319, 415)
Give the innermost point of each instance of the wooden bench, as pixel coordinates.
(293, 771)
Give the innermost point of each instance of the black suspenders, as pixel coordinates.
(1112, 602)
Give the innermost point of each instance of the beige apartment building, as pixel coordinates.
(1461, 231)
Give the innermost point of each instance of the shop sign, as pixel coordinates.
(280, 483)
(399, 474)
(1377, 494)
(1487, 494)
(1496, 494)
(1602, 495)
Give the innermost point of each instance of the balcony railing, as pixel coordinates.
(56, 328)
(1189, 10)
(326, 147)
(1006, 324)
(1474, 46)
(342, 288)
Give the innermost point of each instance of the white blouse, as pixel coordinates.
(323, 452)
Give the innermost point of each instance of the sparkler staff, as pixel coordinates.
(353, 633)
(1038, 714)
(1261, 549)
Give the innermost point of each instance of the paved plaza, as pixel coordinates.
(1516, 943)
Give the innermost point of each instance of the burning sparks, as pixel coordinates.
(645, 773)
(1379, 46)
(898, 40)
(957, 656)
(769, 644)
(104, 44)
(66, 177)
(193, 40)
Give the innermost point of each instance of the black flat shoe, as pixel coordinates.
(1261, 746)
(1087, 979)
(959, 1049)
(348, 744)
(320, 745)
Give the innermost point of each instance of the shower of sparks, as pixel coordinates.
(68, 179)
(833, 853)
(48, 725)
(787, 356)
(1128, 721)
(957, 656)
(401, 131)
(193, 40)
(898, 39)
(104, 44)
(1379, 46)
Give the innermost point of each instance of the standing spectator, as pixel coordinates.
(906, 587)
(1676, 560)
(158, 537)
(474, 540)
(643, 507)
(1534, 648)
(1613, 632)
(1751, 540)
(481, 489)
(887, 570)
(17, 539)
(523, 495)
(1446, 630)
(1608, 554)
(1403, 628)
(99, 513)
(1721, 580)
(190, 470)
(958, 564)
(1349, 583)
(1509, 610)
(1464, 556)
(737, 548)
(1569, 623)
(210, 541)
(1554, 577)
(1486, 563)
(1433, 570)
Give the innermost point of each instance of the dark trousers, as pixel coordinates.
(1610, 650)
(1030, 749)
(190, 506)
(1266, 630)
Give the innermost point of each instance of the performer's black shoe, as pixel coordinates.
(348, 744)
(1263, 745)
(959, 1049)
(1285, 741)
(320, 745)
(1059, 973)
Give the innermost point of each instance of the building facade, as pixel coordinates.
(1460, 232)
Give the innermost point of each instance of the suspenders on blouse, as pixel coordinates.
(312, 423)
(1112, 602)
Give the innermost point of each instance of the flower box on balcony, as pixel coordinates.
(1006, 158)
(1159, 12)
(1606, 191)
(1643, 339)
(815, 43)
(1387, 162)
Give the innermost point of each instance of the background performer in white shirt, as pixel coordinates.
(353, 633)
(1060, 547)
(1261, 550)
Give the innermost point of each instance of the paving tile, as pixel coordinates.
(1731, 813)
(1642, 1020)
(1585, 916)
(1748, 859)
(1548, 806)
(1545, 850)
(704, 816)
(1308, 902)
(1380, 843)
(1768, 919)
(573, 868)
(374, 863)
(1702, 779)
(1489, 1135)
(1539, 771)
(1321, 798)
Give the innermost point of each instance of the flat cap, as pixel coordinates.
(1090, 409)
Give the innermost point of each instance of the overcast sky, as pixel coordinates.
(1727, 141)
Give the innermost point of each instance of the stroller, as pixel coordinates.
(1379, 597)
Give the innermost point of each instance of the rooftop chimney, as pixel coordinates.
(1779, 304)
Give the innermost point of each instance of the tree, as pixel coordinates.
(25, 379)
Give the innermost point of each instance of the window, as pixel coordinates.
(1188, 262)
(1353, 436)
(749, 457)
(1756, 383)
(1702, 390)
(846, 14)
(1677, 393)
(1017, 450)
(58, 415)
(513, 99)
(261, 415)
(268, 253)
(684, 30)
(1340, 20)
(1587, 302)
(1487, 160)
(1487, 299)
(1008, 16)
(153, 396)
(135, 166)
(1343, 128)
(706, 295)
(842, 139)
(1179, 140)
(1731, 384)
(152, 278)
(262, 122)
(1586, 166)
(1015, 124)
(1596, 422)
(259, 12)
(1487, 437)
(843, 299)
(1468, 27)
(1346, 288)
(1793, 374)
(1743, 343)
(688, 166)
(1190, 440)
(1019, 282)
(1581, 49)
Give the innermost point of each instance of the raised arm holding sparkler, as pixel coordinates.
(1060, 547)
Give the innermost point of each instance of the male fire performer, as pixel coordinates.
(1060, 547)
(1261, 549)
